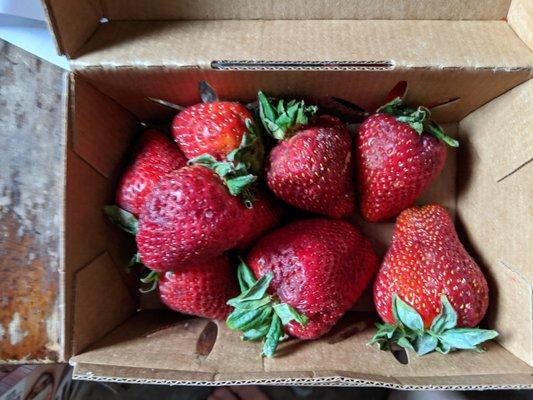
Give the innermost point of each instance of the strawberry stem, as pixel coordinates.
(443, 335)
(419, 119)
(258, 315)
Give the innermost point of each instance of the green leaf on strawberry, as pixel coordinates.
(446, 319)
(284, 118)
(241, 167)
(259, 315)
(442, 336)
(135, 261)
(419, 119)
(409, 317)
(245, 276)
(151, 280)
(122, 218)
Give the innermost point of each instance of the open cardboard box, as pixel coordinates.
(124, 52)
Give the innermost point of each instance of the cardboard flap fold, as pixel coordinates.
(520, 18)
(72, 22)
(297, 361)
(305, 9)
(404, 44)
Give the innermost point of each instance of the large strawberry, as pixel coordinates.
(155, 156)
(311, 167)
(399, 152)
(200, 289)
(313, 270)
(265, 214)
(429, 291)
(189, 218)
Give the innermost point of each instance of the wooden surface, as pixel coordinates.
(31, 193)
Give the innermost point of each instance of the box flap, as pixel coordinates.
(501, 131)
(520, 18)
(305, 9)
(331, 359)
(332, 43)
(72, 22)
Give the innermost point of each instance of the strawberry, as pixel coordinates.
(311, 167)
(189, 218)
(264, 215)
(314, 270)
(399, 151)
(222, 136)
(219, 128)
(201, 289)
(429, 291)
(155, 156)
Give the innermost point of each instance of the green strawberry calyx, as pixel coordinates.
(282, 120)
(419, 119)
(150, 280)
(258, 315)
(122, 218)
(442, 336)
(129, 223)
(242, 165)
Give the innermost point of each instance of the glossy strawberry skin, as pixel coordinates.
(425, 260)
(312, 170)
(320, 267)
(155, 157)
(265, 214)
(189, 218)
(201, 290)
(210, 128)
(394, 165)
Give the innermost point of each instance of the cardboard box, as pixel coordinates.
(124, 52)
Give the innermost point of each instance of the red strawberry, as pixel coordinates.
(201, 290)
(430, 285)
(311, 167)
(399, 152)
(264, 215)
(155, 156)
(189, 218)
(316, 269)
(216, 128)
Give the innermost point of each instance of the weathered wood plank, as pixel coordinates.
(31, 195)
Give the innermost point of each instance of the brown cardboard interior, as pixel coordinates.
(111, 340)
(356, 50)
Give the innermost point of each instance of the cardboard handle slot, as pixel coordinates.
(302, 65)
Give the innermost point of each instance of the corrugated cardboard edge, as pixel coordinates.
(66, 96)
(326, 378)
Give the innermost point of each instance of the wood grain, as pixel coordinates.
(31, 210)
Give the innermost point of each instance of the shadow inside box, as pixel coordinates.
(466, 159)
(352, 323)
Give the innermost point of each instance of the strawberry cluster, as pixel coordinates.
(205, 202)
